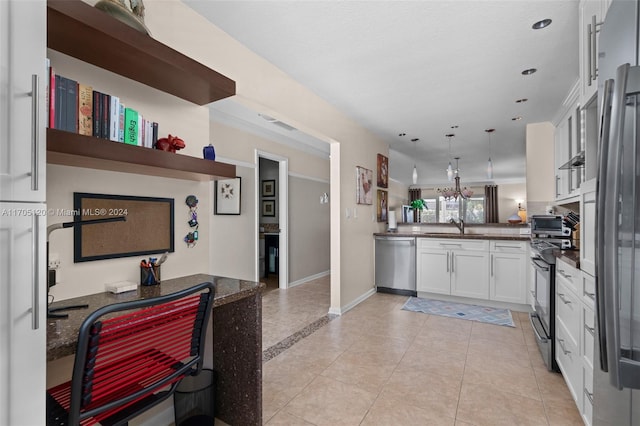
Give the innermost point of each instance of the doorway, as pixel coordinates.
(272, 205)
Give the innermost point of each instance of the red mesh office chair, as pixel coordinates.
(131, 356)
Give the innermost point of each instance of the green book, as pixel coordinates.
(130, 126)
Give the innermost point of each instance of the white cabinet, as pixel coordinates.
(588, 227)
(453, 267)
(508, 271)
(22, 194)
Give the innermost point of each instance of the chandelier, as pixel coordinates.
(455, 192)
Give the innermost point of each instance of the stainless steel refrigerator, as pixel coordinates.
(617, 353)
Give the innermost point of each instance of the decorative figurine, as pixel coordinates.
(192, 237)
(170, 144)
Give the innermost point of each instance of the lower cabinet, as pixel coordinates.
(454, 267)
(508, 271)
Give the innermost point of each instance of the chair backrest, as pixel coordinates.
(132, 355)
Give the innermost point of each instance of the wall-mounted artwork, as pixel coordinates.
(227, 196)
(383, 171)
(364, 184)
(268, 208)
(382, 205)
(269, 188)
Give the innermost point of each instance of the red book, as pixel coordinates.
(52, 98)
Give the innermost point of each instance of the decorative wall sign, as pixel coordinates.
(268, 188)
(227, 196)
(382, 205)
(383, 171)
(268, 208)
(364, 184)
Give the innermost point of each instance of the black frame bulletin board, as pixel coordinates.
(148, 229)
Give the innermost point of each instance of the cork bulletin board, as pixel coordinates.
(148, 228)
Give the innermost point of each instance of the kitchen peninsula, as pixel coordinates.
(237, 338)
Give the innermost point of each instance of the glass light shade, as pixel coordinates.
(450, 172)
(489, 169)
(414, 176)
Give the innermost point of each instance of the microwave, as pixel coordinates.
(549, 225)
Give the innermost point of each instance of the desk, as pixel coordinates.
(237, 338)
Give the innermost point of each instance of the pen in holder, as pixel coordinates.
(149, 274)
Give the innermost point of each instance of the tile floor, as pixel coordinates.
(380, 365)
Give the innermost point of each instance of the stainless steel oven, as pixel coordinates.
(543, 318)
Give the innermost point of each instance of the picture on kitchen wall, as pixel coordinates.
(268, 188)
(364, 183)
(227, 196)
(383, 171)
(382, 205)
(268, 208)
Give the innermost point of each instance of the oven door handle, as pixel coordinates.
(543, 267)
(542, 339)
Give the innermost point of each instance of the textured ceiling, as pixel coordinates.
(419, 67)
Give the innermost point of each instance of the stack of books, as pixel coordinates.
(78, 108)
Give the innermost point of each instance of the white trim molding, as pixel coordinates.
(353, 304)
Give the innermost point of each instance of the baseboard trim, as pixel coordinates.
(309, 278)
(344, 309)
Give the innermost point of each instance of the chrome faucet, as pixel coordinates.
(460, 225)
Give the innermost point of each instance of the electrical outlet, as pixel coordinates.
(54, 264)
(355, 213)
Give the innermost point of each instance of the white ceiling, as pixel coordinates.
(419, 67)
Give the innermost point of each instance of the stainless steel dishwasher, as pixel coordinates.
(396, 265)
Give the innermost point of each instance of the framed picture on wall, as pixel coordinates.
(268, 208)
(268, 188)
(383, 171)
(227, 196)
(382, 205)
(364, 184)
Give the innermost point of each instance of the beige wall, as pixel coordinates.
(540, 163)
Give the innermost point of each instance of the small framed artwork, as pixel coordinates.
(227, 196)
(364, 183)
(268, 188)
(268, 208)
(382, 205)
(383, 171)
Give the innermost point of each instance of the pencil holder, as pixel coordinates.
(149, 275)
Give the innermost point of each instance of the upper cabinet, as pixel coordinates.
(592, 13)
(92, 36)
(569, 150)
(22, 110)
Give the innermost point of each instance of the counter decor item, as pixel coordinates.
(170, 144)
(514, 218)
(418, 206)
(209, 152)
(192, 236)
(130, 12)
(227, 196)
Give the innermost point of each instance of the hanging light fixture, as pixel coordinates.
(456, 191)
(414, 176)
(450, 168)
(490, 163)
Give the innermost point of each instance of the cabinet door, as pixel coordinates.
(433, 271)
(508, 277)
(22, 100)
(562, 156)
(470, 274)
(588, 227)
(22, 315)
(590, 11)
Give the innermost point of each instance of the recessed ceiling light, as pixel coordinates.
(450, 135)
(541, 24)
(529, 71)
(517, 118)
(402, 134)
(519, 101)
(415, 139)
(454, 126)
(268, 118)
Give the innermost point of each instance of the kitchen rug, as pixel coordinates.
(460, 310)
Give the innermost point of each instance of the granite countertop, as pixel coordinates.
(419, 234)
(62, 334)
(572, 257)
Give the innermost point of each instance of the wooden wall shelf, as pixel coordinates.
(71, 149)
(93, 36)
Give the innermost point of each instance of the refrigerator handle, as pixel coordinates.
(603, 151)
(623, 372)
(35, 141)
(35, 273)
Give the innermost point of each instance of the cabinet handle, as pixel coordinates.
(561, 272)
(35, 123)
(510, 247)
(589, 396)
(591, 330)
(591, 296)
(35, 273)
(561, 343)
(491, 265)
(565, 301)
(447, 261)
(590, 42)
(453, 256)
(557, 191)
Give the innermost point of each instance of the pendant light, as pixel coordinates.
(450, 168)
(490, 163)
(414, 176)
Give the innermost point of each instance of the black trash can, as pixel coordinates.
(194, 400)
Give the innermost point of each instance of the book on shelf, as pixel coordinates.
(97, 113)
(85, 109)
(121, 109)
(72, 106)
(106, 116)
(130, 126)
(61, 96)
(114, 117)
(154, 136)
(51, 96)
